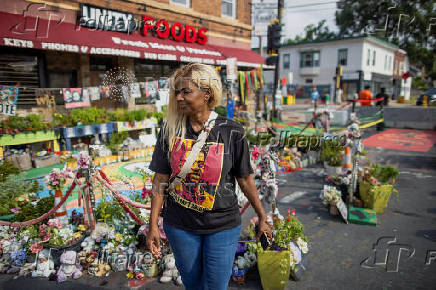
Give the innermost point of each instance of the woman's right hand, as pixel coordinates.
(153, 241)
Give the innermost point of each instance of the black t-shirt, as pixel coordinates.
(206, 203)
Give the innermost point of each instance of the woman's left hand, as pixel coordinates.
(264, 227)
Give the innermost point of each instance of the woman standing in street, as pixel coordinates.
(200, 155)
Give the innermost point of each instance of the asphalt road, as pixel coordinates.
(337, 250)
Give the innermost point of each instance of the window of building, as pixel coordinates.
(342, 56)
(309, 81)
(309, 59)
(386, 62)
(373, 58)
(390, 63)
(368, 57)
(286, 60)
(228, 8)
(186, 3)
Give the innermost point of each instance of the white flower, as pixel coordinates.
(302, 245)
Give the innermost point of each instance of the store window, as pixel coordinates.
(309, 81)
(286, 60)
(186, 3)
(62, 78)
(368, 57)
(342, 56)
(98, 67)
(309, 59)
(228, 8)
(373, 58)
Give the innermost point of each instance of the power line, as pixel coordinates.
(310, 5)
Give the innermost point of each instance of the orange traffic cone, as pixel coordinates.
(61, 212)
(347, 158)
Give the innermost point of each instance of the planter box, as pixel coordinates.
(21, 161)
(332, 170)
(28, 138)
(46, 161)
(88, 130)
(144, 124)
(375, 196)
(274, 268)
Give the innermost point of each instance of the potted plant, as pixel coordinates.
(330, 196)
(331, 154)
(280, 258)
(376, 184)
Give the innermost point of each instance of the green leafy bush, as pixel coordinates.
(15, 193)
(331, 152)
(6, 169)
(116, 140)
(30, 211)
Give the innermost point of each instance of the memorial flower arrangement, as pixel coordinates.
(55, 180)
(330, 195)
(376, 184)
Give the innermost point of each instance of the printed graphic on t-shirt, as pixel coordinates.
(197, 191)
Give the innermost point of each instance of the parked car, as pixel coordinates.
(431, 97)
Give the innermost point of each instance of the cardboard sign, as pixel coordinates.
(343, 210)
(8, 100)
(76, 97)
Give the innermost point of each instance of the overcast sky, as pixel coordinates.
(295, 19)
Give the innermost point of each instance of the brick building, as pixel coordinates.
(73, 43)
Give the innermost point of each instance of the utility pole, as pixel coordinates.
(276, 71)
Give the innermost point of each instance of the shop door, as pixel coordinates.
(349, 89)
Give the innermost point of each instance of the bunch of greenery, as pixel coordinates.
(16, 193)
(88, 116)
(30, 211)
(6, 169)
(383, 173)
(331, 152)
(30, 123)
(287, 230)
(116, 140)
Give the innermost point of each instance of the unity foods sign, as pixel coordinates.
(112, 20)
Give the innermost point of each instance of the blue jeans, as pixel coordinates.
(203, 261)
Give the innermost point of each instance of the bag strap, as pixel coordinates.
(196, 148)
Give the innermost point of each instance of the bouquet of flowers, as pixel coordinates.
(57, 178)
(330, 195)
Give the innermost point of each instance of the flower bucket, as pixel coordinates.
(333, 209)
(239, 275)
(375, 196)
(56, 252)
(274, 268)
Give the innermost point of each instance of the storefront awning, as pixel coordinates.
(245, 57)
(29, 32)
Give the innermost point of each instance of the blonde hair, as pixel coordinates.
(205, 77)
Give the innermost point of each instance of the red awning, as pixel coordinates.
(29, 32)
(244, 57)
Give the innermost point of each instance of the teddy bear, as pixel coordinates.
(170, 271)
(69, 267)
(88, 244)
(44, 264)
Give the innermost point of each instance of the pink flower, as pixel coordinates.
(35, 248)
(15, 210)
(293, 211)
(55, 223)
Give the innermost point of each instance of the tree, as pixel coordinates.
(411, 24)
(314, 32)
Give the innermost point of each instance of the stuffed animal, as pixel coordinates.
(170, 271)
(44, 264)
(86, 258)
(102, 270)
(18, 258)
(69, 267)
(88, 244)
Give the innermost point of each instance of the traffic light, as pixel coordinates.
(273, 37)
(277, 29)
(269, 47)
